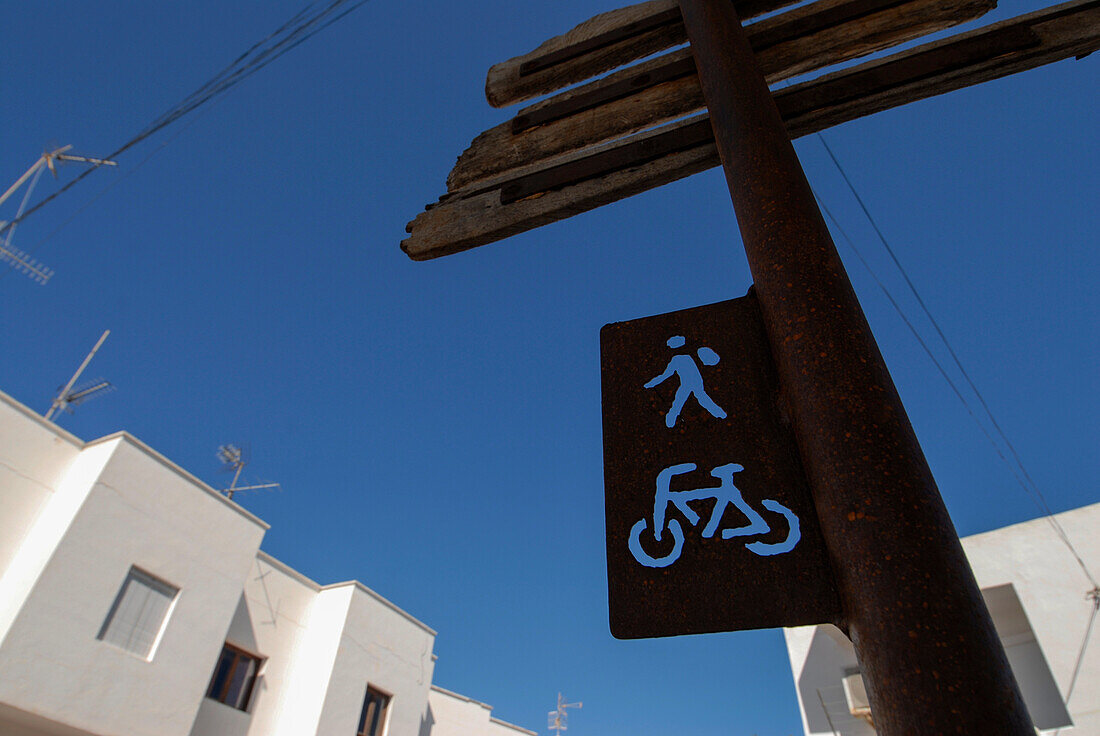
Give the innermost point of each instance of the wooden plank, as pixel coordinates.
(600, 44)
(571, 185)
(668, 17)
(477, 218)
(1064, 31)
(658, 90)
(629, 155)
(498, 150)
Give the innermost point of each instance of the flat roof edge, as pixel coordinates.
(486, 706)
(82, 445)
(186, 475)
(460, 696)
(1044, 518)
(288, 570)
(513, 726)
(384, 601)
(28, 413)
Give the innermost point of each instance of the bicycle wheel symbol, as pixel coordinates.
(726, 494)
(635, 544)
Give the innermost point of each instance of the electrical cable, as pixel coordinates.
(299, 28)
(1020, 471)
(916, 334)
(1094, 596)
(102, 192)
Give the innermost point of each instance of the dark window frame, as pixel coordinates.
(223, 680)
(376, 709)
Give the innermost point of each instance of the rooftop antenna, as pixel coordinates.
(14, 256)
(68, 397)
(234, 458)
(558, 719)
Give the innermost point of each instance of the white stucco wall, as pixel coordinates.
(498, 727)
(280, 603)
(388, 649)
(1051, 588)
(296, 709)
(75, 518)
(217, 719)
(1025, 562)
(35, 456)
(456, 715)
(321, 646)
(140, 511)
(283, 618)
(45, 532)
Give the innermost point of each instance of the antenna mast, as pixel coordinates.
(558, 719)
(15, 257)
(67, 396)
(234, 458)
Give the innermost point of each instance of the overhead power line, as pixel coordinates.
(302, 26)
(130, 171)
(1016, 465)
(1094, 597)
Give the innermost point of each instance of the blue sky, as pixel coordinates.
(436, 426)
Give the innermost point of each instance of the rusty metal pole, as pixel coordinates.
(927, 648)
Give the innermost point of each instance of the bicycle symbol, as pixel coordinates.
(725, 494)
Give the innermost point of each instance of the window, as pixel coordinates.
(234, 677)
(372, 720)
(137, 617)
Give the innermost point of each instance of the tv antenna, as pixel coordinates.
(13, 256)
(234, 458)
(558, 719)
(69, 397)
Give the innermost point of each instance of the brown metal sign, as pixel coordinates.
(710, 524)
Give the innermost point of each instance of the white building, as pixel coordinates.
(135, 601)
(1036, 593)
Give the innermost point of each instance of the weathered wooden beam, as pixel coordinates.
(471, 218)
(666, 88)
(580, 181)
(600, 44)
(1064, 31)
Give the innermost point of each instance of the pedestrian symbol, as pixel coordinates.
(710, 524)
(684, 367)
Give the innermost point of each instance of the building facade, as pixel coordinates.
(135, 601)
(1039, 599)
